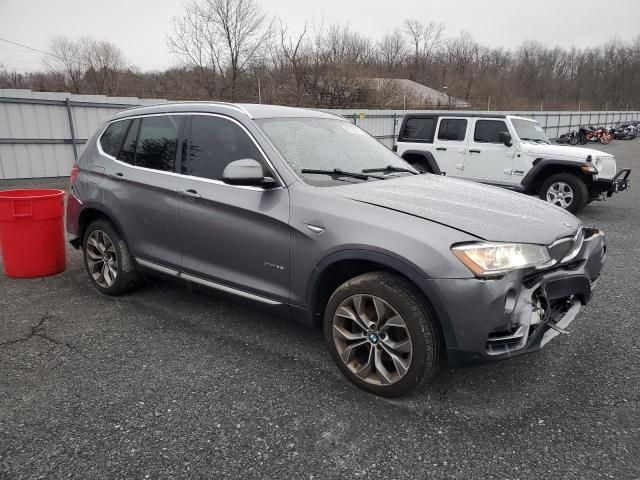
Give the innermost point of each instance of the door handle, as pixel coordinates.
(190, 194)
(117, 176)
(441, 149)
(460, 166)
(474, 151)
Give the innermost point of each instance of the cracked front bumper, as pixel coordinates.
(488, 320)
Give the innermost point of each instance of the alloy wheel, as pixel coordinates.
(102, 259)
(372, 339)
(560, 194)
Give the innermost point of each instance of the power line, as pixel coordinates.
(30, 48)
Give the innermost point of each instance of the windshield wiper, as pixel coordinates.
(340, 173)
(389, 168)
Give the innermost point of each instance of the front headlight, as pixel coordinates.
(494, 259)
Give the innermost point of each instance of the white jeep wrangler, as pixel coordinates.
(511, 152)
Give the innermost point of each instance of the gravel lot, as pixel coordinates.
(172, 382)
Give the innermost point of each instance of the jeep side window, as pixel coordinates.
(112, 138)
(214, 142)
(452, 129)
(419, 129)
(157, 143)
(488, 131)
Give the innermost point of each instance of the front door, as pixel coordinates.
(233, 235)
(450, 145)
(488, 159)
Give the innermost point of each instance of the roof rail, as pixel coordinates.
(201, 102)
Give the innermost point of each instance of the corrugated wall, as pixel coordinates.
(35, 132)
(36, 139)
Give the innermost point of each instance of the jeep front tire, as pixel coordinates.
(566, 191)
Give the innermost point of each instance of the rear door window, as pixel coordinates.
(419, 129)
(157, 142)
(113, 137)
(213, 143)
(488, 131)
(127, 153)
(452, 129)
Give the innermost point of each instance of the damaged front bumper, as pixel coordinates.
(521, 312)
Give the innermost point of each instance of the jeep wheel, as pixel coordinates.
(110, 267)
(565, 190)
(381, 334)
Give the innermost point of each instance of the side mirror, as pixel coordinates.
(246, 172)
(505, 137)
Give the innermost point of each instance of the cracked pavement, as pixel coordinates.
(178, 382)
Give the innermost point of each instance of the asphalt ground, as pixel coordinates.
(173, 382)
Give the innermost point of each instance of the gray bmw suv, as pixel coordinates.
(306, 213)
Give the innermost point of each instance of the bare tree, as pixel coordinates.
(242, 28)
(197, 45)
(392, 50)
(68, 59)
(293, 50)
(425, 38)
(105, 64)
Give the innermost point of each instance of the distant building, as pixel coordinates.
(413, 94)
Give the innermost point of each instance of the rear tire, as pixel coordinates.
(566, 191)
(110, 266)
(382, 334)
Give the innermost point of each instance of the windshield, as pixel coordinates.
(330, 144)
(529, 131)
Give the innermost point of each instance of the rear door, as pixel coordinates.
(450, 145)
(489, 160)
(237, 236)
(140, 187)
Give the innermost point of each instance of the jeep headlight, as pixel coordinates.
(494, 259)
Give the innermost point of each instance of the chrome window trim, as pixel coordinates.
(207, 283)
(180, 175)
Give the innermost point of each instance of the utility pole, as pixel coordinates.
(489, 104)
(259, 92)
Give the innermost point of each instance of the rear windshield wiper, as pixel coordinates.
(340, 173)
(389, 168)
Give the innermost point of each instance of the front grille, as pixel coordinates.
(607, 167)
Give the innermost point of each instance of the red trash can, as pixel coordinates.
(32, 232)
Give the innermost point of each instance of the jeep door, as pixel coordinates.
(450, 145)
(140, 189)
(233, 235)
(488, 159)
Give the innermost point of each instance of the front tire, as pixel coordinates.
(566, 191)
(110, 266)
(381, 334)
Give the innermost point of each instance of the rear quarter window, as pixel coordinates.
(419, 129)
(112, 138)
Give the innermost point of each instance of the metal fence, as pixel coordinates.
(41, 133)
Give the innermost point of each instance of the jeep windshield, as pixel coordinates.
(529, 131)
(328, 151)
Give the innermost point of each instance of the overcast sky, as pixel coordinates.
(139, 27)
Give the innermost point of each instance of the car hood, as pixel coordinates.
(545, 151)
(489, 213)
